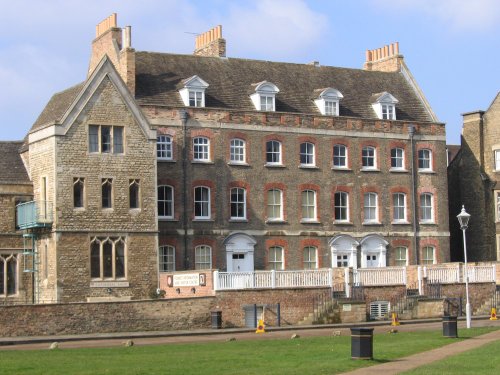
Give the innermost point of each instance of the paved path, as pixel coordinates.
(421, 359)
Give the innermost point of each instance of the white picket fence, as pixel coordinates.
(364, 276)
(380, 276)
(456, 274)
(272, 279)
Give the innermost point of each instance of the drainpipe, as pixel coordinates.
(184, 117)
(411, 133)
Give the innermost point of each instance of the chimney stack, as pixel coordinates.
(385, 59)
(116, 43)
(210, 43)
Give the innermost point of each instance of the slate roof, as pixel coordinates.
(12, 169)
(159, 74)
(57, 106)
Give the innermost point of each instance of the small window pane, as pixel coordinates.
(397, 155)
(164, 147)
(203, 257)
(424, 159)
(167, 258)
(368, 157)
(117, 140)
(201, 149)
(105, 138)
(201, 202)
(370, 207)
(273, 152)
(426, 213)
(237, 151)
(107, 263)
(309, 205)
(165, 201)
(78, 186)
(341, 206)
(399, 206)
(238, 203)
(428, 255)
(310, 257)
(400, 256)
(95, 260)
(107, 187)
(134, 193)
(307, 153)
(11, 275)
(93, 138)
(274, 201)
(276, 258)
(119, 259)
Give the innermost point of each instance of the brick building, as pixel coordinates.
(474, 178)
(162, 162)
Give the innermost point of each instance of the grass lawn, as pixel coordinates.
(317, 355)
(484, 360)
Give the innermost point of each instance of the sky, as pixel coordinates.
(450, 46)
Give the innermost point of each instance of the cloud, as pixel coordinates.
(460, 15)
(274, 28)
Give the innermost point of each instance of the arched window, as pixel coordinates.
(164, 147)
(397, 158)
(201, 202)
(370, 207)
(201, 149)
(399, 207)
(276, 258)
(339, 156)
(310, 257)
(273, 152)
(78, 192)
(400, 256)
(107, 192)
(166, 202)
(426, 208)
(369, 157)
(274, 204)
(341, 210)
(133, 193)
(307, 154)
(424, 160)
(238, 203)
(8, 274)
(237, 154)
(107, 258)
(309, 210)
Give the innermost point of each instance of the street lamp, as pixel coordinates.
(463, 218)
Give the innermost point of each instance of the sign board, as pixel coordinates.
(187, 279)
(346, 307)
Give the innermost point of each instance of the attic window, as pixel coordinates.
(193, 92)
(264, 98)
(384, 105)
(328, 101)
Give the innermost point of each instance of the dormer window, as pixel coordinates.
(264, 98)
(384, 105)
(193, 92)
(327, 100)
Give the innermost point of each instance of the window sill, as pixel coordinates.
(166, 160)
(236, 164)
(203, 220)
(109, 284)
(78, 209)
(304, 166)
(370, 170)
(306, 221)
(238, 220)
(134, 211)
(202, 162)
(426, 171)
(108, 210)
(374, 223)
(344, 169)
(274, 165)
(398, 170)
(343, 223)
(400, 223)
(427, 223)
(276, 221)
(160, 218)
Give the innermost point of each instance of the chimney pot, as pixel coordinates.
(386, 51)
(396, 48)
(391, 49)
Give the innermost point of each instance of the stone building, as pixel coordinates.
(474, 181)
(160, 162)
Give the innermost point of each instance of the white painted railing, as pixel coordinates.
(456, 274)
(380, 276)
(443, 275)
(482, 274)
(272, 279)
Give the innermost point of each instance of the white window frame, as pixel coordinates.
(496, 156)
(275, 154)
(385, 106)
(264, 98)
(238, 203)
(274, 205)
(369, 156)
(428, 200)
(164, 147)
(342, 207)
(370, 207)
(397, 157)
(398, 205)
(400, 261)
(193, 86)
(237, 151)
(340, 161)
(166, 202)
(203, 204)
(307, 155)
(167, 258)
(328, 101)
(425, 259)
(273, 260)
(422, 158)
(202, 257)
(310, 257)
(201, 149)
(306, 206)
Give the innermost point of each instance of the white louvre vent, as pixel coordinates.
(379, 309)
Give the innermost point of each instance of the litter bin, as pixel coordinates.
(450, 326)
(362, 343)
(216, 319)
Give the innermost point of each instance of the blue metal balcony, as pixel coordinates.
(34, 215)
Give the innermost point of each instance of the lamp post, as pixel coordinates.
(463, 218)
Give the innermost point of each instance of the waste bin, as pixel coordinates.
(450, 326)
(216, 319)
(362, 343)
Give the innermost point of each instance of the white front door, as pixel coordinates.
(239, 264)
(371, 260)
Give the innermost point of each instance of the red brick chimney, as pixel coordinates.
(211, 43)
(385, 59)
(116, 43)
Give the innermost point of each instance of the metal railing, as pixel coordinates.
(34, 214)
